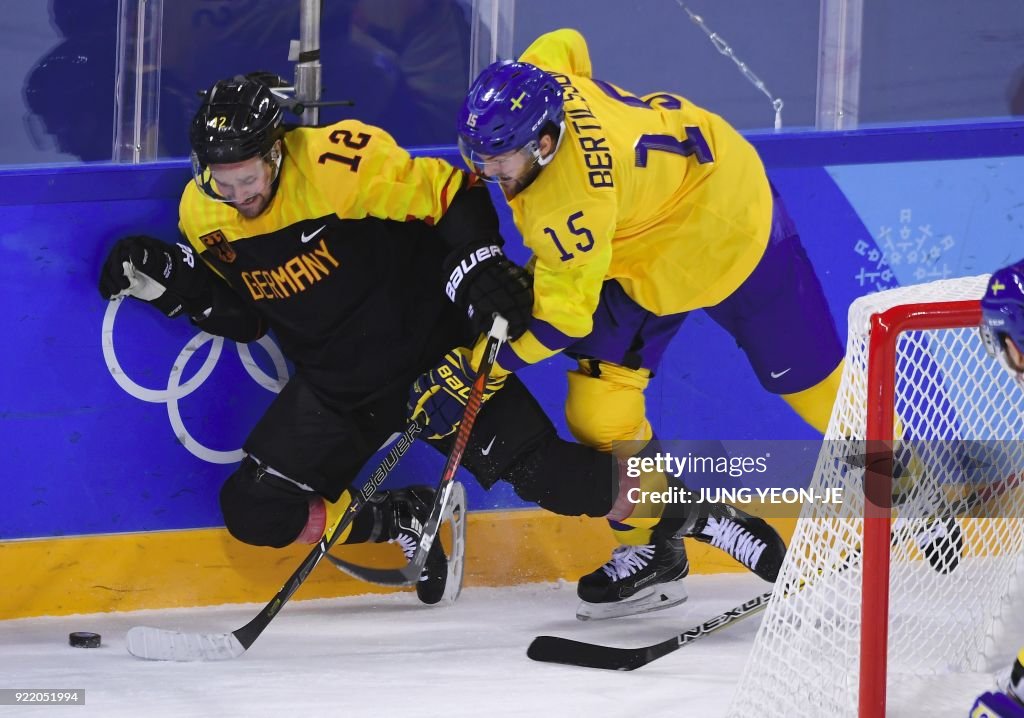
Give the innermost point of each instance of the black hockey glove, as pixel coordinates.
(483, 282)
(168, 276)
(439, 397)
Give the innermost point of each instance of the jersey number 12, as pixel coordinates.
(345, 137)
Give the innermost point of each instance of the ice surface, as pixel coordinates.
(389, 656)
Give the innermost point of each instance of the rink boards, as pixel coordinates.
(115, 450)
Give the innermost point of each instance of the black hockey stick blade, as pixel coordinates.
(157, 644)
(409, 574)
(553, 649)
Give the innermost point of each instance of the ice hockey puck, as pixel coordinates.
(84, 639)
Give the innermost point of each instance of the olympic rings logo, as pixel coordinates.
(177, 390)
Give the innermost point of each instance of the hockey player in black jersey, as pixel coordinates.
(334, 238)
(346, 247)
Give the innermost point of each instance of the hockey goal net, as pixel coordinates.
(871, 596)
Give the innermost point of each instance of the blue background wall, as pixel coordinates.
(82, 455)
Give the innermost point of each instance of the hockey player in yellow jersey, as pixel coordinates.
(368, 265)
(639, 210)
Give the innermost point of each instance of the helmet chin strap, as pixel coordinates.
(275, 158)
(542, 161)
(276, 155)
(539, 162)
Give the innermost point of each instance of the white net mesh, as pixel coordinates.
(945, 604)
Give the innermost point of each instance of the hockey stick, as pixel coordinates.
(554, 649)
(410, 573)
(158, 644)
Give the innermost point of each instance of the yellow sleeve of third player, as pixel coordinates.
(362, 172)
(560, 51)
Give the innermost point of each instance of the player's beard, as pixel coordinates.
(512, 186)
(252, 206)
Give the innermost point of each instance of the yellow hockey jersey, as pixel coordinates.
(345, 262)
(654, 192)
(350, 170)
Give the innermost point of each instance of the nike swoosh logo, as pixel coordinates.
(778, 374)
(487, 451)
(307, 237)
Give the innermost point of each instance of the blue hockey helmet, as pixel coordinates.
(1002, 318)
(505, 110)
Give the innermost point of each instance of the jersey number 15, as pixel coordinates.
(694, 144)
(575, 230)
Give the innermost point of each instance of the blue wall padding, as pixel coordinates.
(82, 455)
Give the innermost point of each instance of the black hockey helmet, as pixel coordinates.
(240, 118)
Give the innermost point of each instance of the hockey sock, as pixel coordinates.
(628, 535)
(633, 513)
(323, 514)
(814, 405)
(622, 507)
(632, 500)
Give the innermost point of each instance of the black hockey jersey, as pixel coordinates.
(345, 261)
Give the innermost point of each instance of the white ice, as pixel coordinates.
(390, 656)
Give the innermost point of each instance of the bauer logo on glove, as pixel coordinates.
(483, 282)
(439, 397)
(467, 265)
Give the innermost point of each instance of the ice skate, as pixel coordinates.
(637, 579)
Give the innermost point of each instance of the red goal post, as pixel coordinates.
(863, 599)
(886, 328)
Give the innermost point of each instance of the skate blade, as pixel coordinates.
(657, 598)
(455, 512)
